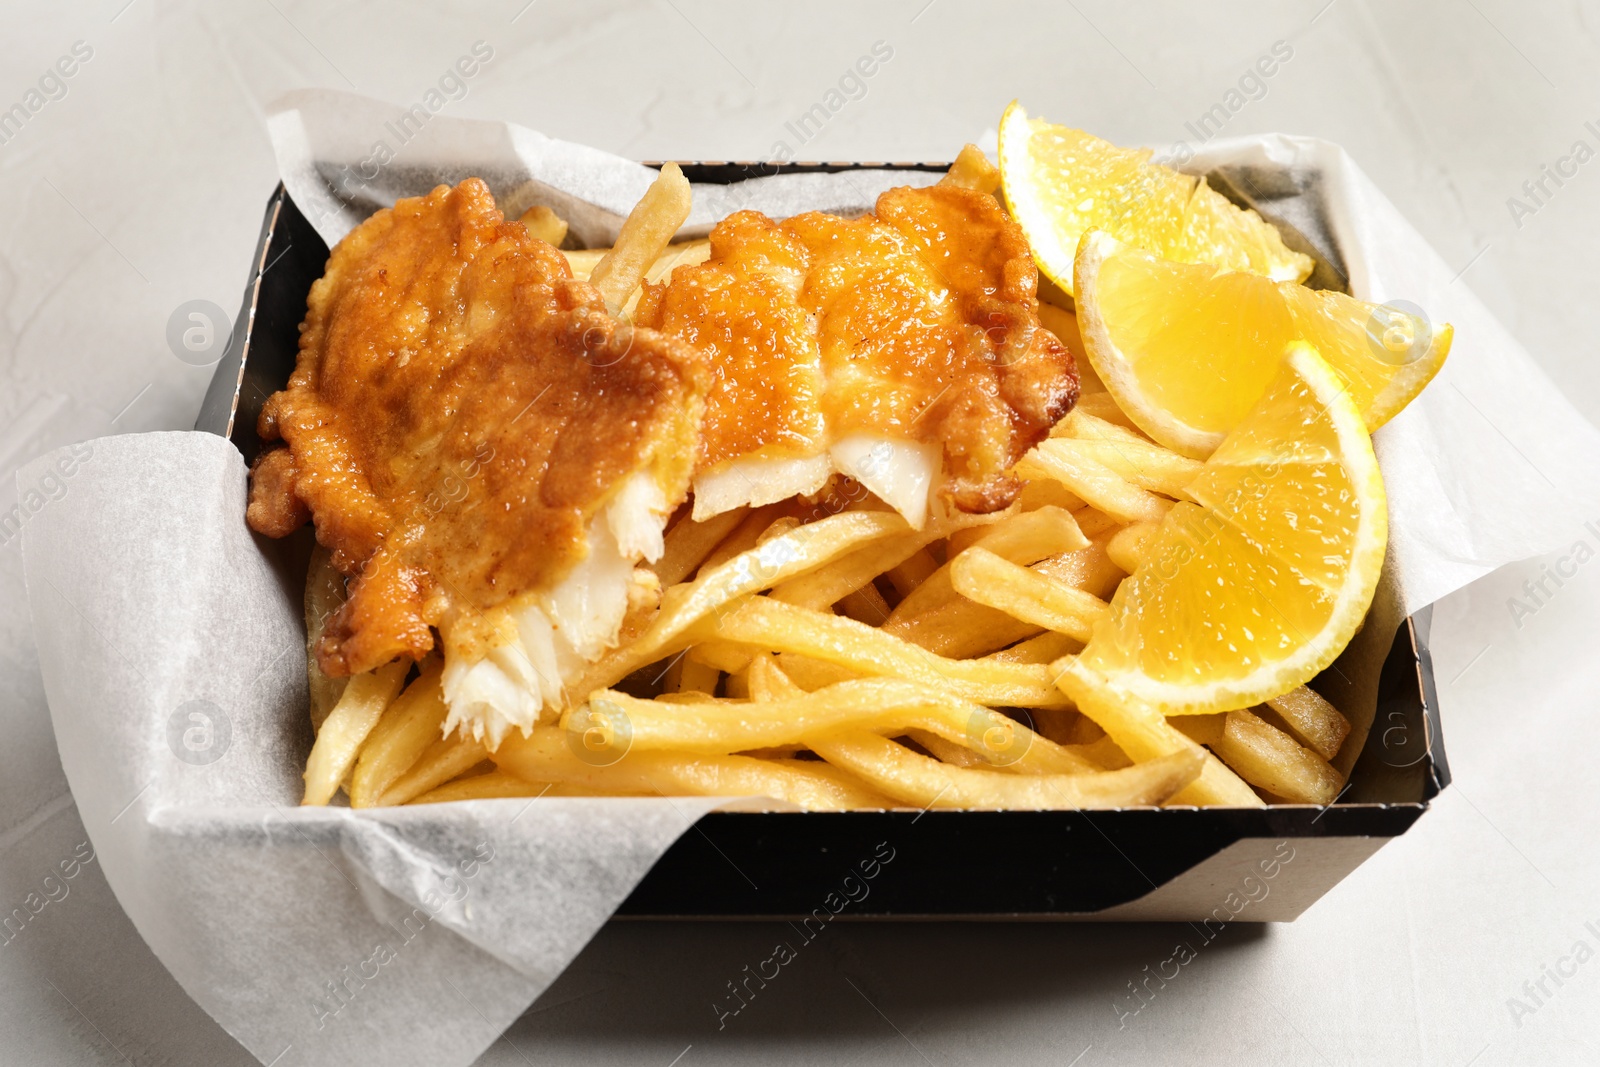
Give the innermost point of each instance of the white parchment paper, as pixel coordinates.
(173, 655)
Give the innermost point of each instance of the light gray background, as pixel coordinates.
(143, 186)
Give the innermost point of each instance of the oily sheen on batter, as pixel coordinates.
(907, 335)
(468, 427)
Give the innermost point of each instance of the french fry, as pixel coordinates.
(413, 722)
(545, 756)
(645, 234)
(1201, 729)
(1104, 406)
(1080, 735)
(697, 678)
(689, 543)
(686, 696)
(719, 654)
(829, 585)
(886, 706)
(778, 527)
(985, 578)
(1026, 537)
(914, 779)
(1104, 752)
(1097, 484)
(1144, 734)
(325, 594)
(961, 756)
(1088, 569)
(912, 572)
(1128, 545)
(737, 684)
(947, 751)
(1083, 426)
(961, 629)
(744, 536)
(1042, 648)
(1145, 465)
(545, 224)
(1094, 522)
(684, 254)
(497, 784)
(768, 682)
(714, 589)
(1267, 757)
(447, 758)
(934, 592)
(764, 623)
(679, 255)
(776, 752)
(842, 779)
(672, 678)
(484, 787)
(972, 170)
(1023, 538)
(1047, 493)
(583, 261)
(865, 605)
(812, 674)
(1083, 731)
(347, 726)
(1055, 723)
(1317, 723)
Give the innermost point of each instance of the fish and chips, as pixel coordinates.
(845, 512)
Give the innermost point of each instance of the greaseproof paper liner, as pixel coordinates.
(174, 659)
(173, 652)
(331, 148)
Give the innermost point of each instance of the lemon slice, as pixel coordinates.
(1188, 349)
(1261, 581)
(1059, 183)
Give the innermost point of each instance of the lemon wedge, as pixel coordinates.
(1059, 183)
(1187, 349)
(1258, 582)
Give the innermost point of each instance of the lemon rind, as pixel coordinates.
(1351, 603)
(1406, 386)
(1024, 204)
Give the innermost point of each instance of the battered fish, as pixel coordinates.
(902, 348)
(486, 451)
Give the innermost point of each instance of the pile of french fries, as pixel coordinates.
(823, 653)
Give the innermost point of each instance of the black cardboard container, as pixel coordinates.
(1252, 865)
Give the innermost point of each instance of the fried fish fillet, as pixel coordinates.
(486, 451)
(902, 348)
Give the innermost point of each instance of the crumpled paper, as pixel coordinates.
(173, 654)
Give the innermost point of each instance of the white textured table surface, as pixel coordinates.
(137, 184)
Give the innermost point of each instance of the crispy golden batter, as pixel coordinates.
(460, 411)
(743, 309)
(921, 318)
